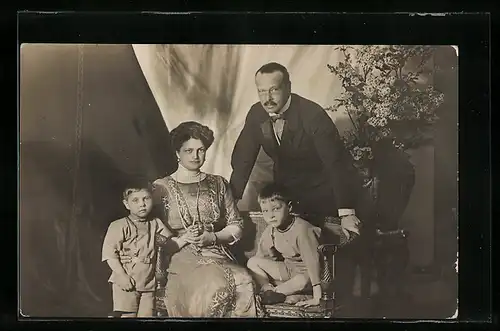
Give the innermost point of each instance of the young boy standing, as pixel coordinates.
(287, 261)
(133, 283)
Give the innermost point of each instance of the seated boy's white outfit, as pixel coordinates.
(298, 246)
(135, 239)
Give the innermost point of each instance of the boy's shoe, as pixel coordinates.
(270, 297)
(267, 287)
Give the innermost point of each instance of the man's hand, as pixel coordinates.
(351, 223)
(308, 303)
(126, 282)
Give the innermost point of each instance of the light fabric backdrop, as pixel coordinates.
(214, 84)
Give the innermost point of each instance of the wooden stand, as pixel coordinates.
(327, 302)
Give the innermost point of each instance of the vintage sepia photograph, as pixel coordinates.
(238, 181)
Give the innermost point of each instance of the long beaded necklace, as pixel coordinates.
(197, 219)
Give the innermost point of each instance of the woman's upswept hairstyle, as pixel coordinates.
(188, 130)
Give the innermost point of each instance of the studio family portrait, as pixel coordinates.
(238, 181)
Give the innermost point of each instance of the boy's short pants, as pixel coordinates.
(142, 303)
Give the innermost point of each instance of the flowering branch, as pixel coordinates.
(383, 99)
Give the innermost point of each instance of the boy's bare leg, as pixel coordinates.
(266, 271)
(146, 305)
(296, 284)
(124, 302)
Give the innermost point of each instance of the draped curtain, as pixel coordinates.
(214, 84)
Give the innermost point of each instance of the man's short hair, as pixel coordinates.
(273, 67)
(274, 191)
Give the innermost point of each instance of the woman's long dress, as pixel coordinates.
(204, 282)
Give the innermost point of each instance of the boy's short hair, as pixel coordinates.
(135, 185)
(274, 191)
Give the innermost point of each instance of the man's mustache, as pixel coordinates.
(270, 103)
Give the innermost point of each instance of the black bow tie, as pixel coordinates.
(274, 118)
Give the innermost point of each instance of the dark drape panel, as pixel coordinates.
(446, 157)
(88, 122)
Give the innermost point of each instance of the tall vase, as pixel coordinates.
(372, 185)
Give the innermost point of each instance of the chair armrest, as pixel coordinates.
(161, 280)
(160, 272)
(327, 301)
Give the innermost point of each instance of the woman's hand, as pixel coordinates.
(191, 234)
(195, 230)
(308, 303)
(205, 239)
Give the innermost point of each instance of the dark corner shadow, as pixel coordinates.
(44, 207)
(47, 179)
(104, 183)
(47, 161)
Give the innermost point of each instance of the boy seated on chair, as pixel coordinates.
(287, 261)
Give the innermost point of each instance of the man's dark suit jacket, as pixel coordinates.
(311, 162)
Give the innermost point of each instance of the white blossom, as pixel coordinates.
(383, 110)
(391, 80)
(368, 105)
(384, 102)
(355, 80)
(384, 91)
(377, 121)
(369, 90)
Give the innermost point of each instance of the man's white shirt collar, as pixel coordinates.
(285, 107)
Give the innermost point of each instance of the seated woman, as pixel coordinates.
(203, 280)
